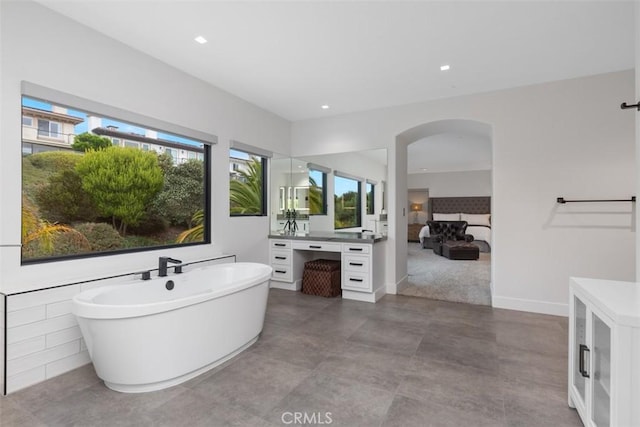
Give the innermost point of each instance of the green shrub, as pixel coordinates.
(55, 161)
(101, 236)
(64, 200)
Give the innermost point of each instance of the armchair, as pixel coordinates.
(442, 231)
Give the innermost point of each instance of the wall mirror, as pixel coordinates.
(323, 189)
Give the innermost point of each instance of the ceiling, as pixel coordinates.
(292, 57)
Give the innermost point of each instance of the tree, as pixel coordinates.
(245, 193)
(121, 183)
(165, 161)
(64, 200)
(182, 194)
(88, 141)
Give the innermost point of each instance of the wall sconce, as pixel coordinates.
(416, 207)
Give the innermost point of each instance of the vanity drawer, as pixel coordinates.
(355, 248)
(356, 281)
(280, 257)
(282, 273)
(281, 244)
(356, 263)
(317, 246)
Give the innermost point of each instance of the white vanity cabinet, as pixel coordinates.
(604, 352)
(362, 265)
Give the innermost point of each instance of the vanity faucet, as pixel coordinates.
(162, 265)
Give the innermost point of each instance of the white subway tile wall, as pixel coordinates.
(43, 338)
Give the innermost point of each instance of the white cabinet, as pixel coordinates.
(604, 352)
(362, 274)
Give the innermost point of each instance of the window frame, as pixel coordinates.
(33, 91)
(263, 190)
(373, 197)
(324, 191)
(358, 204)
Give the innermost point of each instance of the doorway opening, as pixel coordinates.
(449, 187)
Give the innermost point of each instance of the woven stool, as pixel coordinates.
(321, 277)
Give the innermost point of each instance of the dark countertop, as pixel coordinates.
(337, 236)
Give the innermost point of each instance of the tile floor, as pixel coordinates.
(401, 362)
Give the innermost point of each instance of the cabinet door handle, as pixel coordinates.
(583, 371)
(357, 264)
(281, 271)
(281, 257)
(315, 247)
(279, 244)
(356, 249)
(355, 280)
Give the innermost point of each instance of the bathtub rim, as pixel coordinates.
(83, 307)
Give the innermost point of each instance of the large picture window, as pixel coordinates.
(347, 199)
(247, 184)
(82, 195)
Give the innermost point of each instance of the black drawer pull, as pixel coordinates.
(356, 249)
(281, 257)
(279, 244)
(281, 271)
(581, 368)
(357, 264)
(315, 247)
(355, 280)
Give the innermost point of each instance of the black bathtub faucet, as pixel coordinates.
(162, 265)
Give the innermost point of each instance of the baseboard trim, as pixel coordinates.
(394, 288)
(520, 304)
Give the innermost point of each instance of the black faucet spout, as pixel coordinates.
(162, 265)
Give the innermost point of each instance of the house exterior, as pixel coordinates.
(44, 130)
(180, 153)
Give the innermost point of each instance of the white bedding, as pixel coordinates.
(480, 232)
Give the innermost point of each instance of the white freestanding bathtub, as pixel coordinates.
(143, 337)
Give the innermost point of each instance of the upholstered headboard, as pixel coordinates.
(469, 205)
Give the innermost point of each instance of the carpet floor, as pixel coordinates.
(436, 277)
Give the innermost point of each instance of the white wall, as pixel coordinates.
(453, 184)
(33, 43)
(566, 138)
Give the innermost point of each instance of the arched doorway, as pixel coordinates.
(449, 133)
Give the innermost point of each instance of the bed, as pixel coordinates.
(475, 210)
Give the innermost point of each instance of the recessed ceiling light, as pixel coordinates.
(444, 67)
(325, 107)
(200, 40)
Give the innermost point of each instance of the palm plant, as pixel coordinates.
(195, 233)
(41, 231)
(246, 191)
(315, 197)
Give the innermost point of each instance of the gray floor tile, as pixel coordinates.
(299, 349)
(193, 410)
(253, 382)
(527, 406)
(407, 412)
(13, 415)
(367, 365)
(345, 402)
(459, 387)
(474, 352)
(392, 336)
(57, 388)
(525, 367)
